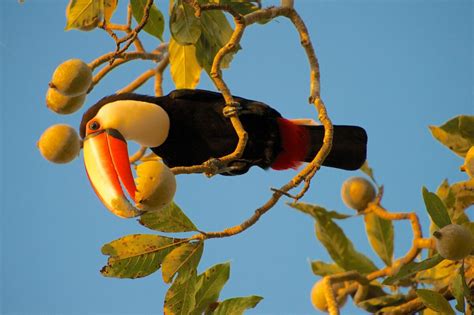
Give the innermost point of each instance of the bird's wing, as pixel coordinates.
(195, 95)
(248, 107)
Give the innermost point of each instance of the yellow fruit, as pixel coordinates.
(63, 104)
(59, 144)
(156, 186)
(454, 242)
(468, 166)
(318, 297)
(357, 192)
(72, 78)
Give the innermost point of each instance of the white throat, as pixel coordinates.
(143, 122)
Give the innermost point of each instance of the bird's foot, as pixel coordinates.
(216, 166)
(232, 110)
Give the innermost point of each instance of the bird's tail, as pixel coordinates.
(301, 143)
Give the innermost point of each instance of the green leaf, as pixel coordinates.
(380, 234)
(169, 219)
(466, 289)
(457, 134)
(216, 32)
(155, 24)
(181, 259)
(435, 301)
(185, 27)
(436, 209)
(84, 15)
(184, 68)
(322, 269)
(339, 247)
(109, 9)
(210, 284)
(314, 211)
(412, 268)
(457, 289)
(135, 256)
(237, 306)
(445, 193)
(375, 304)
(367, 170)
(179, 299)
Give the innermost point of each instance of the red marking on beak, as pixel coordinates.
(107, 164)
(119, 151)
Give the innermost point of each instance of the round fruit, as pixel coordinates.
(63, 104)
(318, 297)
(156, 186)
(468, 166)
(59, 144)
(72, 78)
(454, 242)
(357, 192)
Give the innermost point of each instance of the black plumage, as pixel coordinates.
(200, 131)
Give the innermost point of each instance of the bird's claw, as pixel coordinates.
(232, 110)
(216, 166)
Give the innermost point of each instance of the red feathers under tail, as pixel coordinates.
(301, 143)
(295, 141)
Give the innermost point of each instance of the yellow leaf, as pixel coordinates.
(84, 15)
(184, 68)
(109, 9)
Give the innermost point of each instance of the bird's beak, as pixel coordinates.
(107, 165)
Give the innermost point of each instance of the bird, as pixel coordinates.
(190, 126)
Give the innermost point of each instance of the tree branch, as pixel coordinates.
(131, 36)
(138, 155)
(159, 75)
(126, 57)
(216, 74)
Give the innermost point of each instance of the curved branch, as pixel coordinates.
(156, 55)
(139, 81)
(117, 62)
(312, 167)
(138, 155)
(159, 75)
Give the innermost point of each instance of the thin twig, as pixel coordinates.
(129, 16)
(139, 81)
(125, 58)
(155, 55)
(138, 155)
(131, 36)
(159, 75)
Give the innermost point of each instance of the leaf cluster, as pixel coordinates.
(446, 279)
(195, 41)
(139, 255)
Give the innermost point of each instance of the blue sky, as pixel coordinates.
(393, 67)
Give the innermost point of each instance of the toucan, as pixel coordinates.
(189, 127)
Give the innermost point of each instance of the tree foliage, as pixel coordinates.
(203, 38)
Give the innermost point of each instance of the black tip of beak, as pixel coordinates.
(115, 133)
(111, 132)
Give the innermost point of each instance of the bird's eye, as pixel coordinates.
(94, 125)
